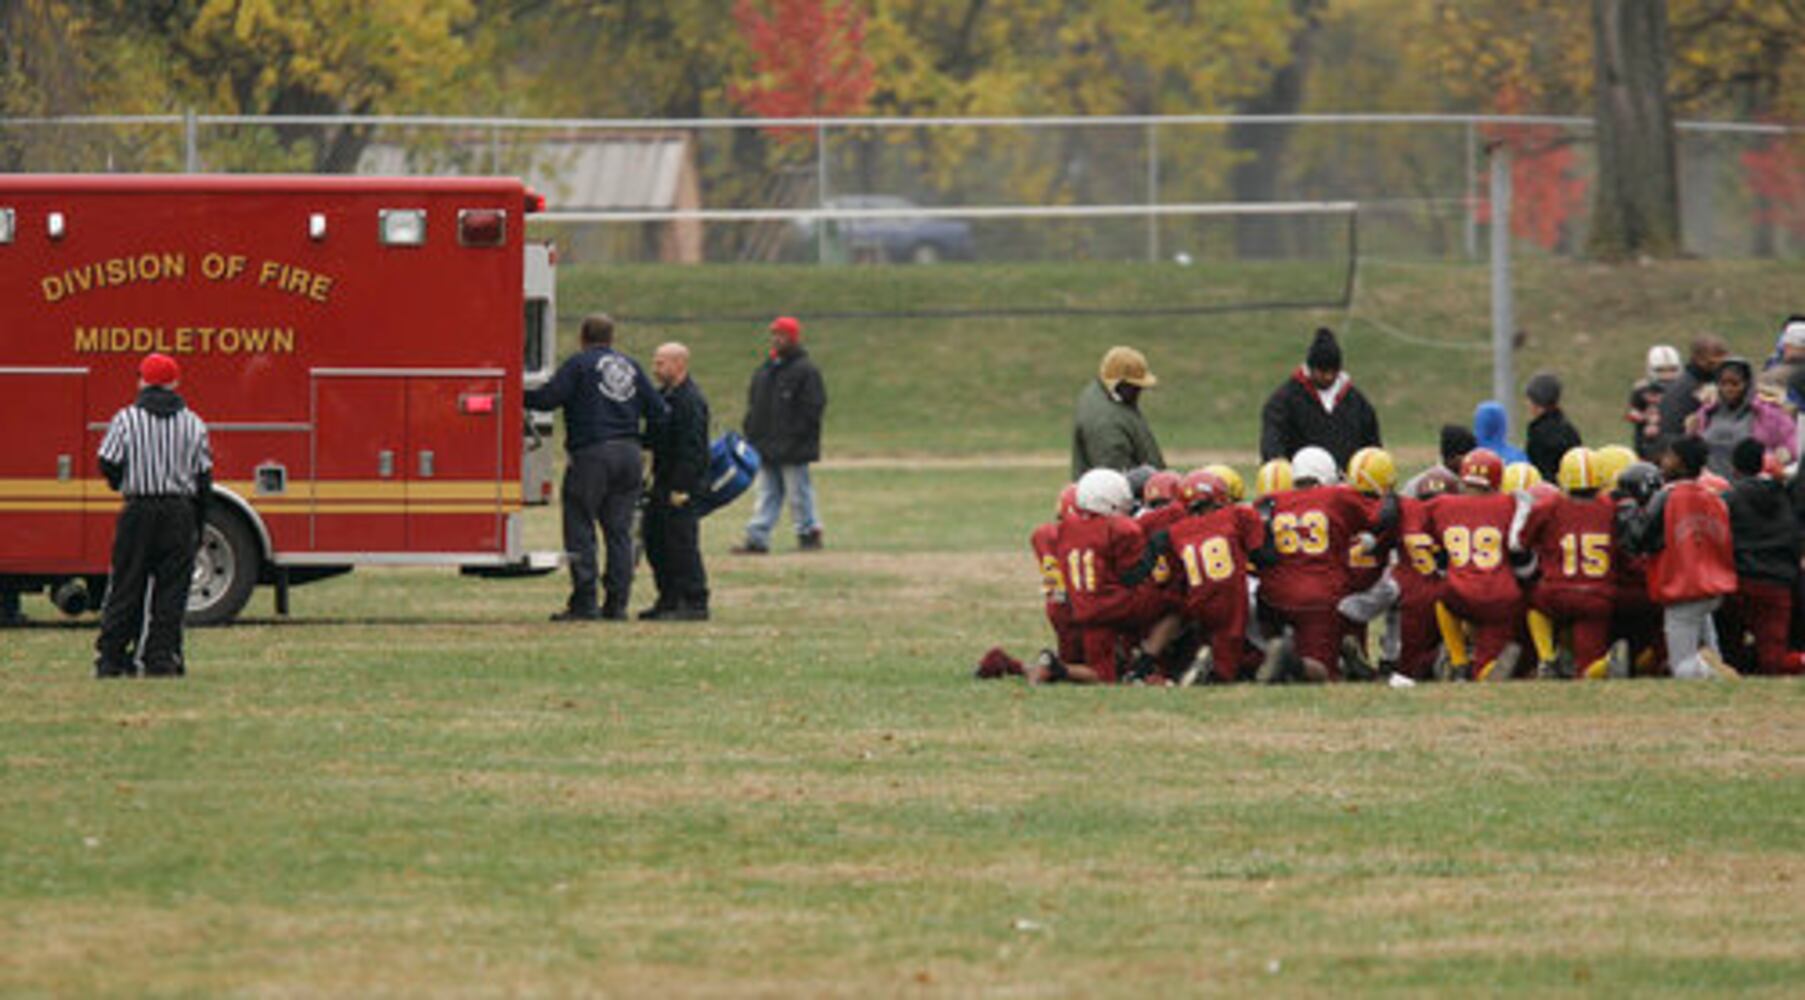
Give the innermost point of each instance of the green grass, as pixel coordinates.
(416, 786)
(1007, 385)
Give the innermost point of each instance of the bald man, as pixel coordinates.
(679, 470)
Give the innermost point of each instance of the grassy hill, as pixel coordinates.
(1416, 340)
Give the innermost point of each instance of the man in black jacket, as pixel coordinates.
(783, 421)
(1550, 434)
(1318, 405)
(679, 468)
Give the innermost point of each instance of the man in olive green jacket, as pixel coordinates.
(1109, 432)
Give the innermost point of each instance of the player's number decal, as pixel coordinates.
(1307, 533)
(1081, 570)
(1052, 583)
(1422, 552)
(1211, 559)
(1586, 554)
(1481, 548)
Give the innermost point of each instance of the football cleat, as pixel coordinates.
(1354, 664)
(1273, 477)
(1579, 471)
(1505, 666)
(1482, 470)
(1237, 490)
(1372, 471)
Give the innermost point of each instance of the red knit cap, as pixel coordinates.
(787, 328)
(159, 369)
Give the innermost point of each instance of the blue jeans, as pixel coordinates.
(774, 481)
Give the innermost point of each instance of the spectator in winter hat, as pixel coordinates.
(1550, 435)
(1318, 405)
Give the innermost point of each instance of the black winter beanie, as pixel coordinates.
(1324, 351)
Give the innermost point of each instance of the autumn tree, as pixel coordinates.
(1636, 203)
(808, 60)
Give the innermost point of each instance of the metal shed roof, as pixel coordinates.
(616, 172)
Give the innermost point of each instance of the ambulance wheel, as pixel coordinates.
(225, 569)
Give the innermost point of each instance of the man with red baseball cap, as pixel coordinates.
(783, 421)
(155, 452)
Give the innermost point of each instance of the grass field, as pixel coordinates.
(416, 786)
(902, 387)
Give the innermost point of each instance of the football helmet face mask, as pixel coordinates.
(1273, 477)
(1237, 490)
(1482, 469)
(1161, 489)
(1104, 491)
(1068, 502)
(1203, 488)
(1315, 464)
(1372, 471)
(1579, 471)
(1640, 482)
(1519, 476)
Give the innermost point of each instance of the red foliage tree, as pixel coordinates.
(809, 60)
(1776, 174)
(1546, 187)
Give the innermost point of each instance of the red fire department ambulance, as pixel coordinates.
(358, 348)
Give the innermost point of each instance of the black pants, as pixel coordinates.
(153, 549)
(673, 547)
(601, 483)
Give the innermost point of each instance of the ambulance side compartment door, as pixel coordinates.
(43, 462)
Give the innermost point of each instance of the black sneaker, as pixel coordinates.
(809, 541)
(1354, 664)
(686, 613)
(750, 548)
(578, 615)
(107, 669)
(656, 612)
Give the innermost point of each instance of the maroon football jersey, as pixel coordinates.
(1472, 529)
(1094, 551)
(1572, 538)
(1312, 529)
(1211, 551)
(1417, 576)
(1365, 568)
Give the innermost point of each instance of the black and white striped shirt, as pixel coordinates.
(164, 454)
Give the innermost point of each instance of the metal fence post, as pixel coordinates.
(821, 191)
(191, 153)
(1470, 225)
(1152, 192)
(1504, 320)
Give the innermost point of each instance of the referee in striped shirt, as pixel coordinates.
(156, 453)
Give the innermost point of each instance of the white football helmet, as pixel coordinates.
(1105, 491)
(1663, 363)
(1315, 463)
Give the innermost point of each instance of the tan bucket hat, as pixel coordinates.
(1125, 364)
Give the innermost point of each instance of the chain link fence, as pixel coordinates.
(1419, 180)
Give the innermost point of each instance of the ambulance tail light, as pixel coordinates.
(482, 227)
(476, 403)
(402, 227)
(535, 202)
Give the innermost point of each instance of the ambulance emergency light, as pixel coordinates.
(6, 225)
(402, 227)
